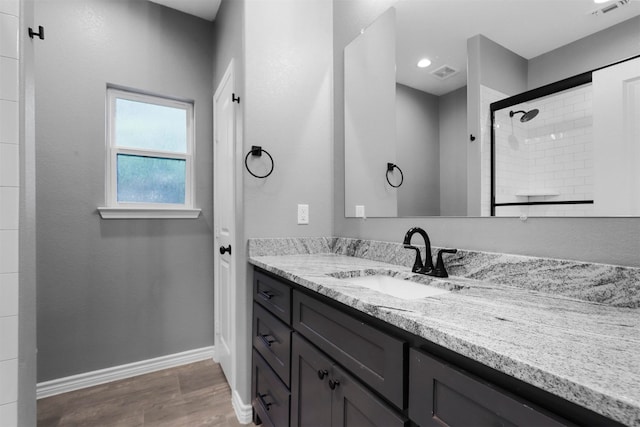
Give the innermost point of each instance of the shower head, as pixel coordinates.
(526, 115)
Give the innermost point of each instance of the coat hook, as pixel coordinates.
(472, 138)
(40, 32)
(235, 98)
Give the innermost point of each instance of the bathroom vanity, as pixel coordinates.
(328, 352)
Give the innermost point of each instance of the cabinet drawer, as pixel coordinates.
(272, 339)
(375, 357)
(271, 399)
(275, 296)
(440, 395)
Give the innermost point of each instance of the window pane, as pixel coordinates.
(150, 126)
(151, 179)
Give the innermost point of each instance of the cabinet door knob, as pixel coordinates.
(322, 373)
(333, 384)
(223, 250)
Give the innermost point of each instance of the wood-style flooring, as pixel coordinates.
(189, 395)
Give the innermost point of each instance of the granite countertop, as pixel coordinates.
(585, 352)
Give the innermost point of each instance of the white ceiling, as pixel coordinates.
(439, 29)
(206, 9)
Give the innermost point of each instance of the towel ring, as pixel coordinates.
(390, 168)
(256, 150)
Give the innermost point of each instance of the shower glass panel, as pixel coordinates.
(543, 155)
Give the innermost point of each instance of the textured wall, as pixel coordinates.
(453, 153)
(112, 292)
(418, 146)
(603, 48)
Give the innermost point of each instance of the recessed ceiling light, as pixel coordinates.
(600, 1)
(424, 63)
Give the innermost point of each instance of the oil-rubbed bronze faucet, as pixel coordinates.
(426, 267)
(418, 265)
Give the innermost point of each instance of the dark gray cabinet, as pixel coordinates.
(441, 395)
(271, 398)
(373, 356)
(272, 294)
(325, 395)
(272, 339)
(319, 363)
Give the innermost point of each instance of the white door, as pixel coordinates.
(224, 224)
(616, 136)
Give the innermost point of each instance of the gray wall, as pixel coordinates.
(288, 112)
(27, 357)
(491, 65)
(608, 240)
(418, 151)
(112, 292)
(453, 153)
(605, 47)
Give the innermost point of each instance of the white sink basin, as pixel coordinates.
(398, 288)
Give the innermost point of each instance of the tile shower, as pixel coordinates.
(546, 159)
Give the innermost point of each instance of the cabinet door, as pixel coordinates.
(310, 392)
(374, 357)
(274, 295)
(271, 399)
(355, 406)
(440, 395)
(272, 339)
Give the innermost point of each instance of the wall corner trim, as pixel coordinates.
(244, 412)
(93, 378)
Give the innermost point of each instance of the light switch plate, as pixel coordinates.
(359, 211)
(303, 214)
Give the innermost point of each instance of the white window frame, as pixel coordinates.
(121, 210)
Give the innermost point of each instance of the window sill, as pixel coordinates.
(148, 213)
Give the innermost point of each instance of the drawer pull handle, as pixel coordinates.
(322, 373)
(333, 384)
(267, 339)
(264, 402)
(266, 295)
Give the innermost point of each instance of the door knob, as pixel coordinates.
(223, 250)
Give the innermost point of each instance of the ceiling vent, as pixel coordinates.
(610, 7)
(444, 72)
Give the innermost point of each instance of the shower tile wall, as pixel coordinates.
(9, 208)
(487, 96)
(558, 146)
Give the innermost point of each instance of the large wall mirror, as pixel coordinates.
(418, 134)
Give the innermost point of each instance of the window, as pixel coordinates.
(149, 160)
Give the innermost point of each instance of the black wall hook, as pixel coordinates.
(235, 98)
(257, 151)
(390, 168)
(40, 32)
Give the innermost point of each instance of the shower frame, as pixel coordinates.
(542, 91)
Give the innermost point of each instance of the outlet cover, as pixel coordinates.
(359, 211)
(303, 214)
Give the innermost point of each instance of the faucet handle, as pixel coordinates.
(417, 264)
(440, 270)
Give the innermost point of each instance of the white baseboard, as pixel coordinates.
(93, 378)
(244, 412)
